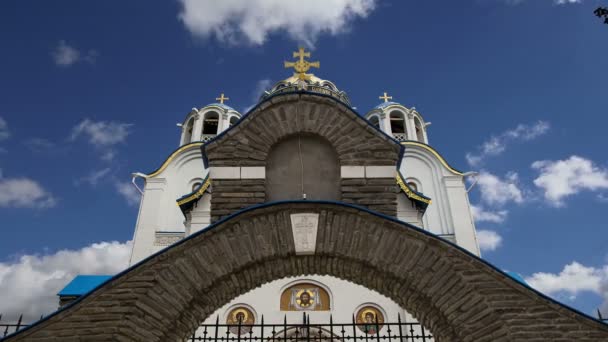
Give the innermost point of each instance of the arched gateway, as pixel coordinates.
(373, 228)
(456, 295)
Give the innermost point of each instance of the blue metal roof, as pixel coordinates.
(385, 104)
(516, 276)
(220, 105)
(83, 284)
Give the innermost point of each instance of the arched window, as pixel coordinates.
(303, 165)
(375, 121)
(398, 126)
(233, 120)
(305, 297)
(188, 131)
(196, 186)
(413, 186)
(210, 123)
(418, 126)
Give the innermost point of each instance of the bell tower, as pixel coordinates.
(207, 122)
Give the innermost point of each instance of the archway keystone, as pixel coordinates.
(458, 296)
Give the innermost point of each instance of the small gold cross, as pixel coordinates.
(222, 98)
(385, 97)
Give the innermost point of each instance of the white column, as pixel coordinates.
(411, 126)
(148, 219)
(198, 127)
(460, 209)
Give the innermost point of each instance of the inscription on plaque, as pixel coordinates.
(304, 228)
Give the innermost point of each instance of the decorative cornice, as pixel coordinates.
(411, 194)
(186, 202)
(435, 153)
(171, 157)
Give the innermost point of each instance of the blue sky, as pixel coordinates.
(90, 92)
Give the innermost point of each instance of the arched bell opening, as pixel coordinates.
(398, 126)
(210, 126)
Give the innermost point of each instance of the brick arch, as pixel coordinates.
(248, 142)
(456, 295)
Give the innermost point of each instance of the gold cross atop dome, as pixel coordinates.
(385, 97)
(302, 66)
(222, 98)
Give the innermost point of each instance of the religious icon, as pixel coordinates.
(304, 296)
(369, 320)
(240, 320)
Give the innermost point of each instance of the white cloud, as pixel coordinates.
(128, 192)
(24, 193)
(30, 284)
(488, 240)
(498, 144)
(94, 177)
(235, 21)
(103, 135)
(65, 55)
(480, 214)
(573, 279)
(4, 132)
(562, 178)
(496, 191)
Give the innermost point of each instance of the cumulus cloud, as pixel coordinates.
(496, 191)
(128, 192)
(4, 132)
(480, 214)
(103, 135)
(498, 144)
(571, 280)
(24, 193)
(488, 240)
(562, 178)
(30, 284)
(235, 21)
(65, 55)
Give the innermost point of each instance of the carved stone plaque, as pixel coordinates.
(304, 227)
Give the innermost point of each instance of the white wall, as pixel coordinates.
(346, 298)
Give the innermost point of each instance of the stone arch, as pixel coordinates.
(458, 296)
(302, 166)
(248, 142)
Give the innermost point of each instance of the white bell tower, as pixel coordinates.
(398, 121)
(209, 121)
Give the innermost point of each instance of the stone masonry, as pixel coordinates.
(355, 141)
(456, 295)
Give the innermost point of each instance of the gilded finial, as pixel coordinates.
(385, 97)
(302, 66)
(222, 98)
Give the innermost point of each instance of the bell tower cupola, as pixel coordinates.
(207, 122)
(398, 121)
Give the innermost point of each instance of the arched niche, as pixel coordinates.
(233, 120)
(375, 121)
(302, 166)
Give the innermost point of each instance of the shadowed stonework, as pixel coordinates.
(456, 295)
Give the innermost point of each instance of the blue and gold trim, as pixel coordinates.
(422, 202)
(172, 156)
(186, 202)
(435, 153)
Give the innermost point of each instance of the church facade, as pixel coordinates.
(302, 209)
